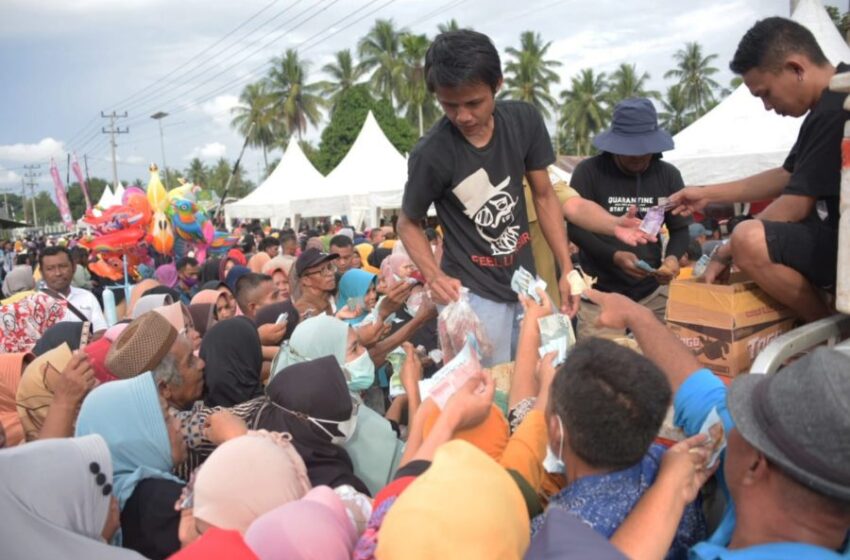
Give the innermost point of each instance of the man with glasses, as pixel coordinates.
(316, 282)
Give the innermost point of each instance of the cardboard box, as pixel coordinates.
(726, 325)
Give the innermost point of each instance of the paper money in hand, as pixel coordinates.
(556, 335)
(653, 220)
(713, 428)
(523, 283)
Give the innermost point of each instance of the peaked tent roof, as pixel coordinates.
(738, 137)
(294, 175)
(106, 198)
(118, 195)
(371, 166)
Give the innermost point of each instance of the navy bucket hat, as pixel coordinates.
(634, 130)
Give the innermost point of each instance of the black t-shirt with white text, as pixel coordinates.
(478, 196)
(815, 160)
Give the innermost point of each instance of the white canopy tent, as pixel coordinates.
(738, 137)
(106, 198)
(118, 195)
(293, 176)
(370, 177)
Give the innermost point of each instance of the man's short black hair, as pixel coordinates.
(694, 250)
(341, 241)
(52, 252)
(769, 42)
(245, 287)
(288, 236)
(184, 262)
(268, 242)
(612, 402)
(462, 58)
(22, 258)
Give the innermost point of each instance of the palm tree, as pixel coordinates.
(197, 172)
(451, 25)
(694, 72)
(584, 111)
(625, 83)
(676, 114)
(380, 53)
(344, 73)
(413, 92)
(255, 106)
(296, 103)
(529, 75)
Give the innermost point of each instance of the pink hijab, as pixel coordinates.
(206, 296)
(393, 265)
(258, 261)
(167, 275)
(316, 526)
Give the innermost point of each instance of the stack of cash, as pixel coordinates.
(556, 335)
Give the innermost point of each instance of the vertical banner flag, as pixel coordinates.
(78, 173)
(61, 196)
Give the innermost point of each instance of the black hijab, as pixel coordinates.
(175, 295)
(269, 314)
(234, 360)
(316, 389)
(209, 270)
(57, 334)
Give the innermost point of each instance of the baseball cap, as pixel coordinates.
(310, 258)
(696, 229)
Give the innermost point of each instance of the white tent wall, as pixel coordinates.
(293, 176)
(371, 175)
(738, 137)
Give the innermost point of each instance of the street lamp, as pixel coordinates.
(158, 116)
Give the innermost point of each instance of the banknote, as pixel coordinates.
(556, 335)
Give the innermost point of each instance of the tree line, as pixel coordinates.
(389, 62)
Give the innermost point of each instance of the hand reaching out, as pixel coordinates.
(471, 403)
(223, 426)
(627, 229)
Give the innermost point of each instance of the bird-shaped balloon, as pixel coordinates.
(156, 192)
(187, 221)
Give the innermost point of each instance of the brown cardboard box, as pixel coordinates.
(726, 325)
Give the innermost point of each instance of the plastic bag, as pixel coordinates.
(455, 321)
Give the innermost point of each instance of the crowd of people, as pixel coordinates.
(274, 402)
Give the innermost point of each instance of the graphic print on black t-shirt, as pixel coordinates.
(478, 196)
(492, 209)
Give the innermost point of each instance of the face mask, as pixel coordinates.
(345, 427)
(190, 282)
(553, 463)
(361, 372)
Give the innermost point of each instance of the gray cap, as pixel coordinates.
(799, 418)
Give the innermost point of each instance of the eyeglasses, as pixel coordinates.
(328, 270)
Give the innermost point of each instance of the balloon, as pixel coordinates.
(156, 192)
(135, 198)
(162, 238)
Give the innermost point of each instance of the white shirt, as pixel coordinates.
(85, 301)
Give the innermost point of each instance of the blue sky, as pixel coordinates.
(66, 60)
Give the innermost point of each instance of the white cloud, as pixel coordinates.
(218, 109)
(131, 159)
(7, 176)
(213, 150)
(43, 150)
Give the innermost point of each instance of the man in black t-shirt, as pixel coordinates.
(791, 249)
(471, 166)
(629, 171)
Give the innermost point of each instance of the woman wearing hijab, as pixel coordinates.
(278, 268)
(234, 360)
(316, 526)
(151, 302)
(138, 291)
(357, 290)
(145, 443)
(310, 400)
(223, 302)
(25, 321)
(374, 447)
(11, 369)
(56, 501)
(234, 275)
(167, 275)
(36, 389)
(226, 499)
(464, 506)
(258, 261)
(203, 316)
(209, 270)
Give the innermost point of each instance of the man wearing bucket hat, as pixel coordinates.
(629, 171)
(786, 464)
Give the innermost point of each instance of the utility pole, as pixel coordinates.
(112, 131)
(158, 116)
(24, 200)
(31, 176)
(86, 166)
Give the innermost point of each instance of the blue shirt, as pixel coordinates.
(700, 393)
(603, 501)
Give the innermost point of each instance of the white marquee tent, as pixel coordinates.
(106, 199)
(294, 176)
(738, 137)
(370, 177)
